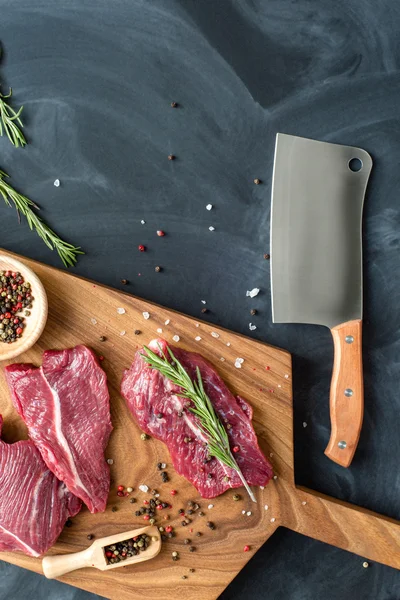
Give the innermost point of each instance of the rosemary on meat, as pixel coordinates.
(209, 423)
(67, 252)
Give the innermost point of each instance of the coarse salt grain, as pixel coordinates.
(275, 477)
(142, 222)
(279, 385)
(243, 512)
(163, 465)
(176, 338)
(203, 301)
(222, 358)
(159, 330)
(304, 503)
(252, 327)
(252, 293)
(110, 461)
(197, 324)
(273, 520)
(143, 488)
(239, 362)
(304, 424)
(197, 338)
(93, 321)
(266, 507)
(228, 344)
(249, 513)
(262, 487)
(365, 564)
(56, 183)
(146, 315)
(215, 334)
(210, 506)
(123, 332)
(209, 206)
(167, 322)
(211, 228)
(286, 376)
(121, 311)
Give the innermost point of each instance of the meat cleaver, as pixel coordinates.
(318, 193)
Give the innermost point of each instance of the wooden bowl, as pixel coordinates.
(35, 323)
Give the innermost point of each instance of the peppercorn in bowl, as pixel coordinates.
(23, 307)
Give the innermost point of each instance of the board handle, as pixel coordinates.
(347, 393)
(56, 566)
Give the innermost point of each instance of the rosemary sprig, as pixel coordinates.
(67, 252)
(9, 121)
(209, 423)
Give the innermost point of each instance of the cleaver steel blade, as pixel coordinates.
(318, 191)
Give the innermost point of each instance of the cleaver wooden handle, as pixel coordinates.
(347, 393)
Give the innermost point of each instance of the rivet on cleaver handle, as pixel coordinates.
(316, 263)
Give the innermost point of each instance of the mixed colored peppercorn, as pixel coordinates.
(115, 553)
(15, 296)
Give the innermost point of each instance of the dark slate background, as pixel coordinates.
(96, 79)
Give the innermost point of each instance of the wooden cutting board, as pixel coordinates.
(80, 312)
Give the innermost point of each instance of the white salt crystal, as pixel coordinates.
(249, 513)
(210, 506)
(159, 330)
(262, 487)
(228, 343)
(239, 362)
(167, 322)
(156, 495)
(286, 376)
(197, 338)
(110, 461)
(142, 222)
(222, 358)
(252, 292)
(197, 324)
(252, 327)
(209, 206)
(211, 228)
(304, 503)
(266, 507)
(203, 302)
(304, 424)
(143, 488)
(93, 321)
(176, 338)
(163, 465)
(121, 311)
(279, 385)
(273, 520)
(146, 315)
(123, 332)
(56, 183)
(215, 334)
(275, 477)
(243, 512)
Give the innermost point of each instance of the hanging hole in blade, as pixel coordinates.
(355, 165)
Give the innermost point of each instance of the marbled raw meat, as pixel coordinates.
(149, 393)
(65, 404)
(34, 504)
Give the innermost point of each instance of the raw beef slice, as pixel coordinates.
(149, 394)
(34, 504)
(65, 404)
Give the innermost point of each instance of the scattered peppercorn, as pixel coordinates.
(204, 310)
(267, 256)
(15, 295)
(184, 576)
(144, 436)
(186, 541)
(246, 548)
(137, 513)
(68, 523)
(114, 509)
(90, 536)
(173, 492)
(141, 248)
(192, 549)
(132, 500)
(201, 514)
(210, 525)
(236, 497)
(257, 181)
(102, 338)
(160, 233)
(164, 477)
(159, 415)
(253, 312)
(183, 523)
(124, 281)
(137, 332)
(171, 157)
(210, 476)
(157, 269)
(191, 570)
(198, 534)
(174, 105)
(236, 449)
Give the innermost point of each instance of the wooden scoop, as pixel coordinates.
(94, 556)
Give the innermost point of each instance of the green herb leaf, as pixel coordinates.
(10, 122)
(209, 422)
(67, 252)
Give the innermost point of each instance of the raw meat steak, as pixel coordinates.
(149, 393)
(34, 504)
(65, 404)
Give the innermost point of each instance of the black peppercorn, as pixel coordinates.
(137, 332)
(68, 523)
(159, 415)
(192, 549)
(198, 533)
(174, 105)
(253, 312)
(90, 536)
(102, 338)
(204, 310)
(267, 256)
(124, 281)
(171, 157)
(210, 525)
(186, 541)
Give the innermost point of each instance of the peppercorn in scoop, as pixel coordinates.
(15, 296)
